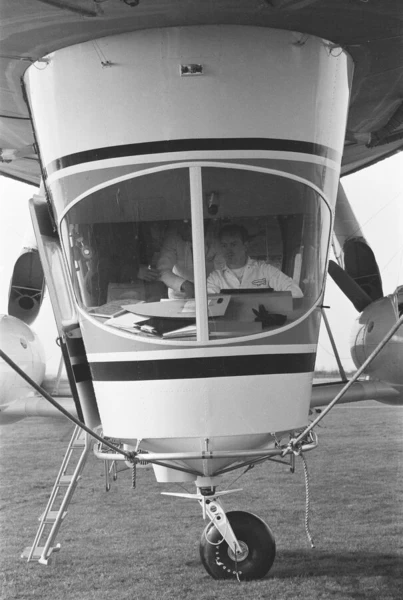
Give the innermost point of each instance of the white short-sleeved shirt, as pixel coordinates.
(257, 274)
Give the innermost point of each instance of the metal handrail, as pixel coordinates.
(208, 455)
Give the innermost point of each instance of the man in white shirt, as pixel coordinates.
(240, 271)
(175, 264)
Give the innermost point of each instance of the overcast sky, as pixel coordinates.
(376, 195)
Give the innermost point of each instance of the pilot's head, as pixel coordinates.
(234, 244)
(184, 229)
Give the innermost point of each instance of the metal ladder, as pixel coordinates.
(62, 493)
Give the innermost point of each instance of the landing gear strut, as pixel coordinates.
(234, 545)
(256, 543)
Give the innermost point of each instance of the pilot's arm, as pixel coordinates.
(281, 282)
(167, 261)
(214, 283)
(176, 266)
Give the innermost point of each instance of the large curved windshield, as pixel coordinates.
(198, 252)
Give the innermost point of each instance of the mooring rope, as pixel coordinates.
(307, 500)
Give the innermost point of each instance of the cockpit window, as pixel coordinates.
(240, 252)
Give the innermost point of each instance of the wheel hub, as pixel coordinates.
(242, 555)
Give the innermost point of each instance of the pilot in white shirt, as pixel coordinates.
(176, 260)
(240, 271)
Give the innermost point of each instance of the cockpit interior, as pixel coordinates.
(131, 242)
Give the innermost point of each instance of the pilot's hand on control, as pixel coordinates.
(148, 273)
(188, 289)
(268, 319)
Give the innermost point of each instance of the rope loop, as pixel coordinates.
(293, 447)
(296, 448)
(133, 460)
(132, 456)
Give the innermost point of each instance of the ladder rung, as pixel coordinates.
(52, 516)
(65, 480)
(80, 443)
(55, 517)
(37, 553)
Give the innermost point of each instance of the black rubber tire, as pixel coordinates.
(252, 532)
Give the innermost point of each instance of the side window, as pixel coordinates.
(131, 242)
(273, 235)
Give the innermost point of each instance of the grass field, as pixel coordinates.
(128, 544)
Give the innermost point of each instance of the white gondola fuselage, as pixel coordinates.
(205, 126)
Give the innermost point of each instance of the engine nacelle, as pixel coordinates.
(370, 328)
(22, 345)
(26, 286)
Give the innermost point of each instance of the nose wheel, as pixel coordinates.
(257, 548)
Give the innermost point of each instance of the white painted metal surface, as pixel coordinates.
(196, 408)
(256, 83)
(22, 345)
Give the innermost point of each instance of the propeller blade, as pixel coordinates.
(358, 259)
(350, 288)
(361, 265)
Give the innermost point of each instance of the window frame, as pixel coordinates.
(195, 168)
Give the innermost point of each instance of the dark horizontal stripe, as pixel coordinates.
(76, 347)
(81, 372)
(200, 368)
(191, 145)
